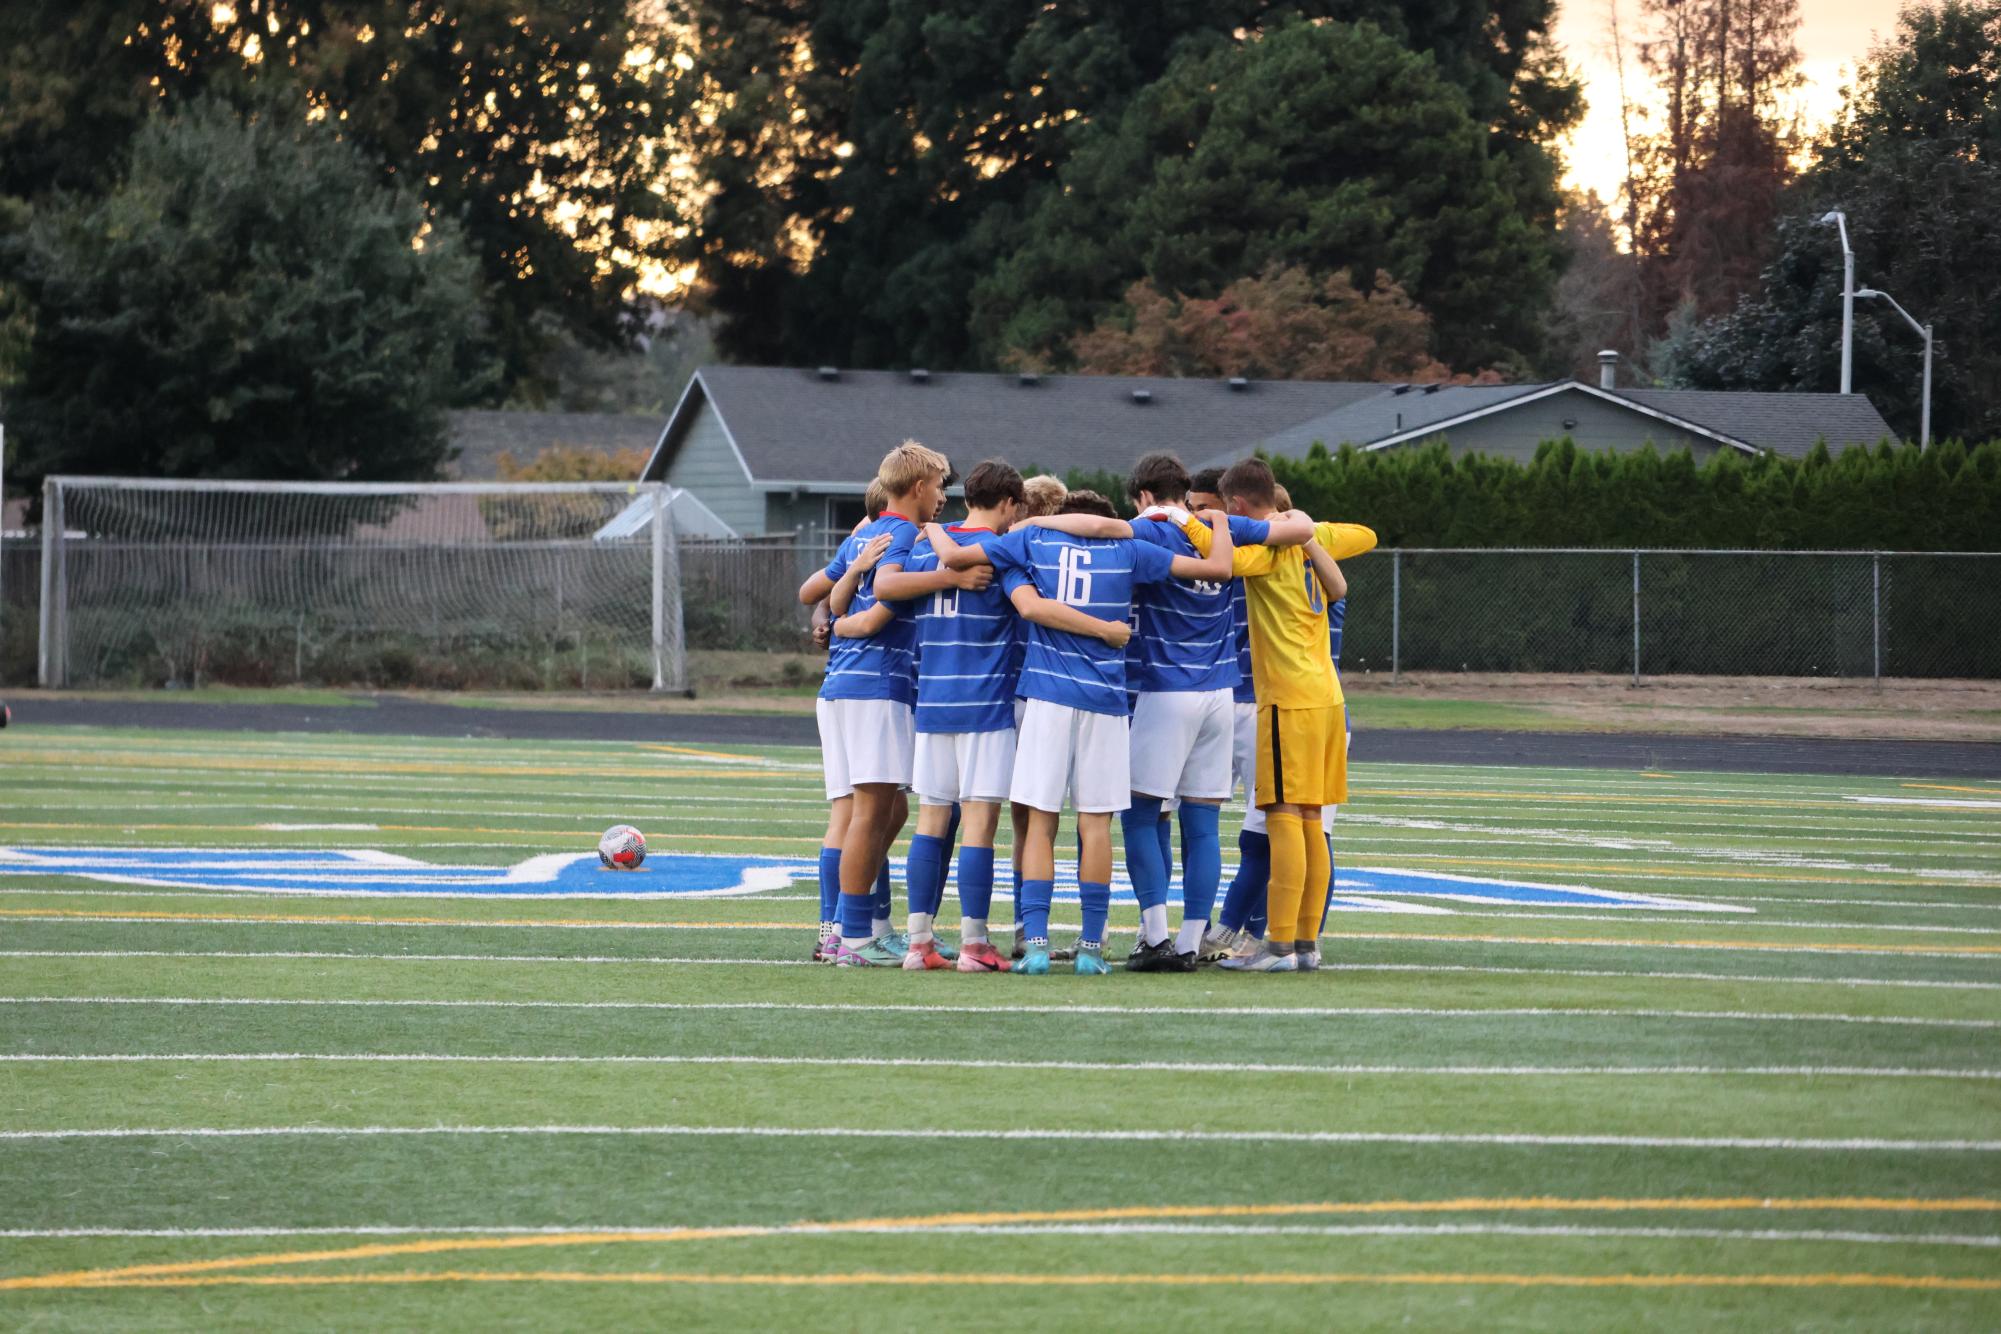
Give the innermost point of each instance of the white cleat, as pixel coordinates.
(1307, 960)
(1261, 960)
(1218, 945)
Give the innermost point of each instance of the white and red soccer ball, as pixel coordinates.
(622, 848)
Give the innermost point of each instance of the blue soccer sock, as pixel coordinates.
(924, 874)
(856, 928)
(1034, 910)
(1097, 908)
(976, 891)
(1141, 822)
(1201, 871)
(1164, 831)
(830, 884)
(951, 833)
(1246, 897)
(882, 905)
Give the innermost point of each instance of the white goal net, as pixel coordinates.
(449, 585)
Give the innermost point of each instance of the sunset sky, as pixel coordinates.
(1834, 36)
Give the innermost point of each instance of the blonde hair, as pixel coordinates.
(875, 500)
(1281, 498)
(909, 464)
(1044, 493)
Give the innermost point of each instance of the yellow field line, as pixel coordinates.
(1691, 871)
(1502, 1204)
(158, 915)
(1898, 1282)
(704, 754)
(793, 839)
(1629, 798)
(1947, 787)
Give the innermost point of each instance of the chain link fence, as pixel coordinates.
(1634, 613)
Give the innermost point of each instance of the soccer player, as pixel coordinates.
(969, 660)
(866, 731)
(1302, 757)
(1073, 740)
(1183, 665)
(1045, 495)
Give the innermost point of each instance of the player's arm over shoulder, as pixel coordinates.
(1343, 540)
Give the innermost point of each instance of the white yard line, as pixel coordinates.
(1003, 1007)
(1091, 1067)
(1329, 966)
(1041, 1134)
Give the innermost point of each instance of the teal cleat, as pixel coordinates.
(897, 942)
(1035, 962)
(945, 952)
(882, 952)
(1091, 961)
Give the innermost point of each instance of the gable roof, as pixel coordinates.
(794, 428)
(1789, 424)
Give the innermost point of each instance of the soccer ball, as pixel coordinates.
(622, 848)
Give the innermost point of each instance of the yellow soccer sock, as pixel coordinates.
(1313, 902)
(1288, 874)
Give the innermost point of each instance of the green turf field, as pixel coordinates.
(232, 1108)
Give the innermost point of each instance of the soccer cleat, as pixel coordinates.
(1064, 954)
(844, 957)
(946, 952)
(1090, 961)
(1306, 959)
(827, 949)
(981, 957)
(880, 953)
(1020, 945)
(898, 941)
(1218, 944)
(1262, 960)
(924, 957)
(1034, 960)
(1161, 958)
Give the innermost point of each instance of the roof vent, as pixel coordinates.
(920, 376)
(1239, 383)
(1399, 389)
(1142, 396)
(830, 372)
(1433, 388)
(1029, 378)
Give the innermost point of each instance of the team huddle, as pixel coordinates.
(1044, 651)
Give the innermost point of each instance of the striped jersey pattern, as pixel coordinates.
(1182, 634)
(1097, 576)
(883, 666)
(969, 647)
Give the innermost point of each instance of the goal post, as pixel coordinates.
(515, 585)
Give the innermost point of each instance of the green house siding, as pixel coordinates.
(707, 466)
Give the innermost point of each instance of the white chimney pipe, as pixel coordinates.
(1608, 369)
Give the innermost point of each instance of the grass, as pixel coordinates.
(651, 1110)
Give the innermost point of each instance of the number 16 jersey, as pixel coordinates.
(1097, 577)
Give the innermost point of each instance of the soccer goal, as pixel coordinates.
(519, 585)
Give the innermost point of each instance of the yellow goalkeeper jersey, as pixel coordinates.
(1291, 663)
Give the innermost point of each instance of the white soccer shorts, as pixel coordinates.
(1244, 762)
(1182, 744)
(1063, 751)
(964, 766)
(864, 741)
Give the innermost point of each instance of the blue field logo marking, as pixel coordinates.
(353, 872)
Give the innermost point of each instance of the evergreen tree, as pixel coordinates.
(246, 301)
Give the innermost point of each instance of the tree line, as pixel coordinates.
(281, 237)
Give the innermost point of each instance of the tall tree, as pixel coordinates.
(1328, 146)
(1914, 160)
(867, 161)
(537, 126)
(1706, 177)
(247, 300)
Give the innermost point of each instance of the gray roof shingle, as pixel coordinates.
(793, 426)
(1788, 424)
(481, 437)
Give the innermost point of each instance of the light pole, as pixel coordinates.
(1925, 331)
(1840, 220)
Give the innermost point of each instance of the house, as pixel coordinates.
(772, 450)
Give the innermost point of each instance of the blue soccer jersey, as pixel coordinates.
(968, 644)
(1097, 576)
(883, 666)
(1240, 632)
(1182, 637)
